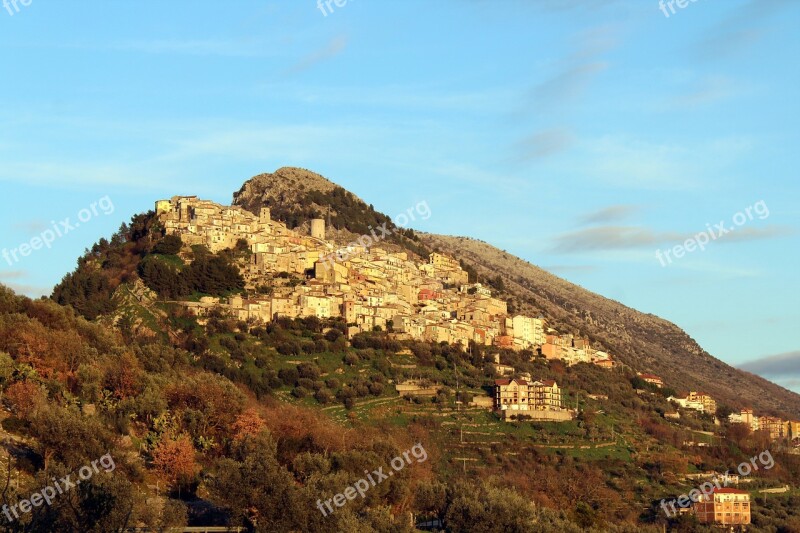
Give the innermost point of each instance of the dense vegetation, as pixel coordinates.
(228, 418)
(141, 248)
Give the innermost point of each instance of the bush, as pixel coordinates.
(288, 376)
(323, 396)
(305, 383)
(309, 371)
(169, 245)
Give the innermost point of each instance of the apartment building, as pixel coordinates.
(546, 395)
(724, 507)
(774, 426)
(708, 403)
(528, 331)
(523, 395)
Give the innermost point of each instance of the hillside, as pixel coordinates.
(643, 341)
(309, 403)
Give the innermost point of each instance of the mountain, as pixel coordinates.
(256, 421)
(643, 341)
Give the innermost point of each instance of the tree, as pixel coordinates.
(25, 397)
(256, 489)
(737, 433)
(174, 460)
(248, 424)
(169, 245)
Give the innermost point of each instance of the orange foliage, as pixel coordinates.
(53, 353)
(25, 397)
(248, 424)
(174, 459)
(124, 378)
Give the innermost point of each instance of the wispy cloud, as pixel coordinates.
(741, 28)
(610, 238)
(32, 291)
(573, 73)
(544, 143)
(333, 48)
(568, 82)
(747, 233)
(706, 91)
(78, 174)
(567, 85)
(12, 274)
(613, 213)
(633, 163)
(10, 278)
(31, 227)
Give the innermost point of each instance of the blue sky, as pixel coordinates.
(580, 135)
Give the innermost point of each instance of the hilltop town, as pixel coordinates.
(293, 274)
(371, 287)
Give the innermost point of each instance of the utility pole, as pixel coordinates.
(455, 368)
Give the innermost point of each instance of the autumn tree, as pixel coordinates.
(25, 397)
(174, 460)
(247, 424)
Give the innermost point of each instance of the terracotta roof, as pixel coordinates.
(728, 491)
(508, 381)
(649, 376)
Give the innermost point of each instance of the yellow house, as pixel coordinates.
(709, 404)
(792, 430)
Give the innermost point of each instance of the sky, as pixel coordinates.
(603, 140)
